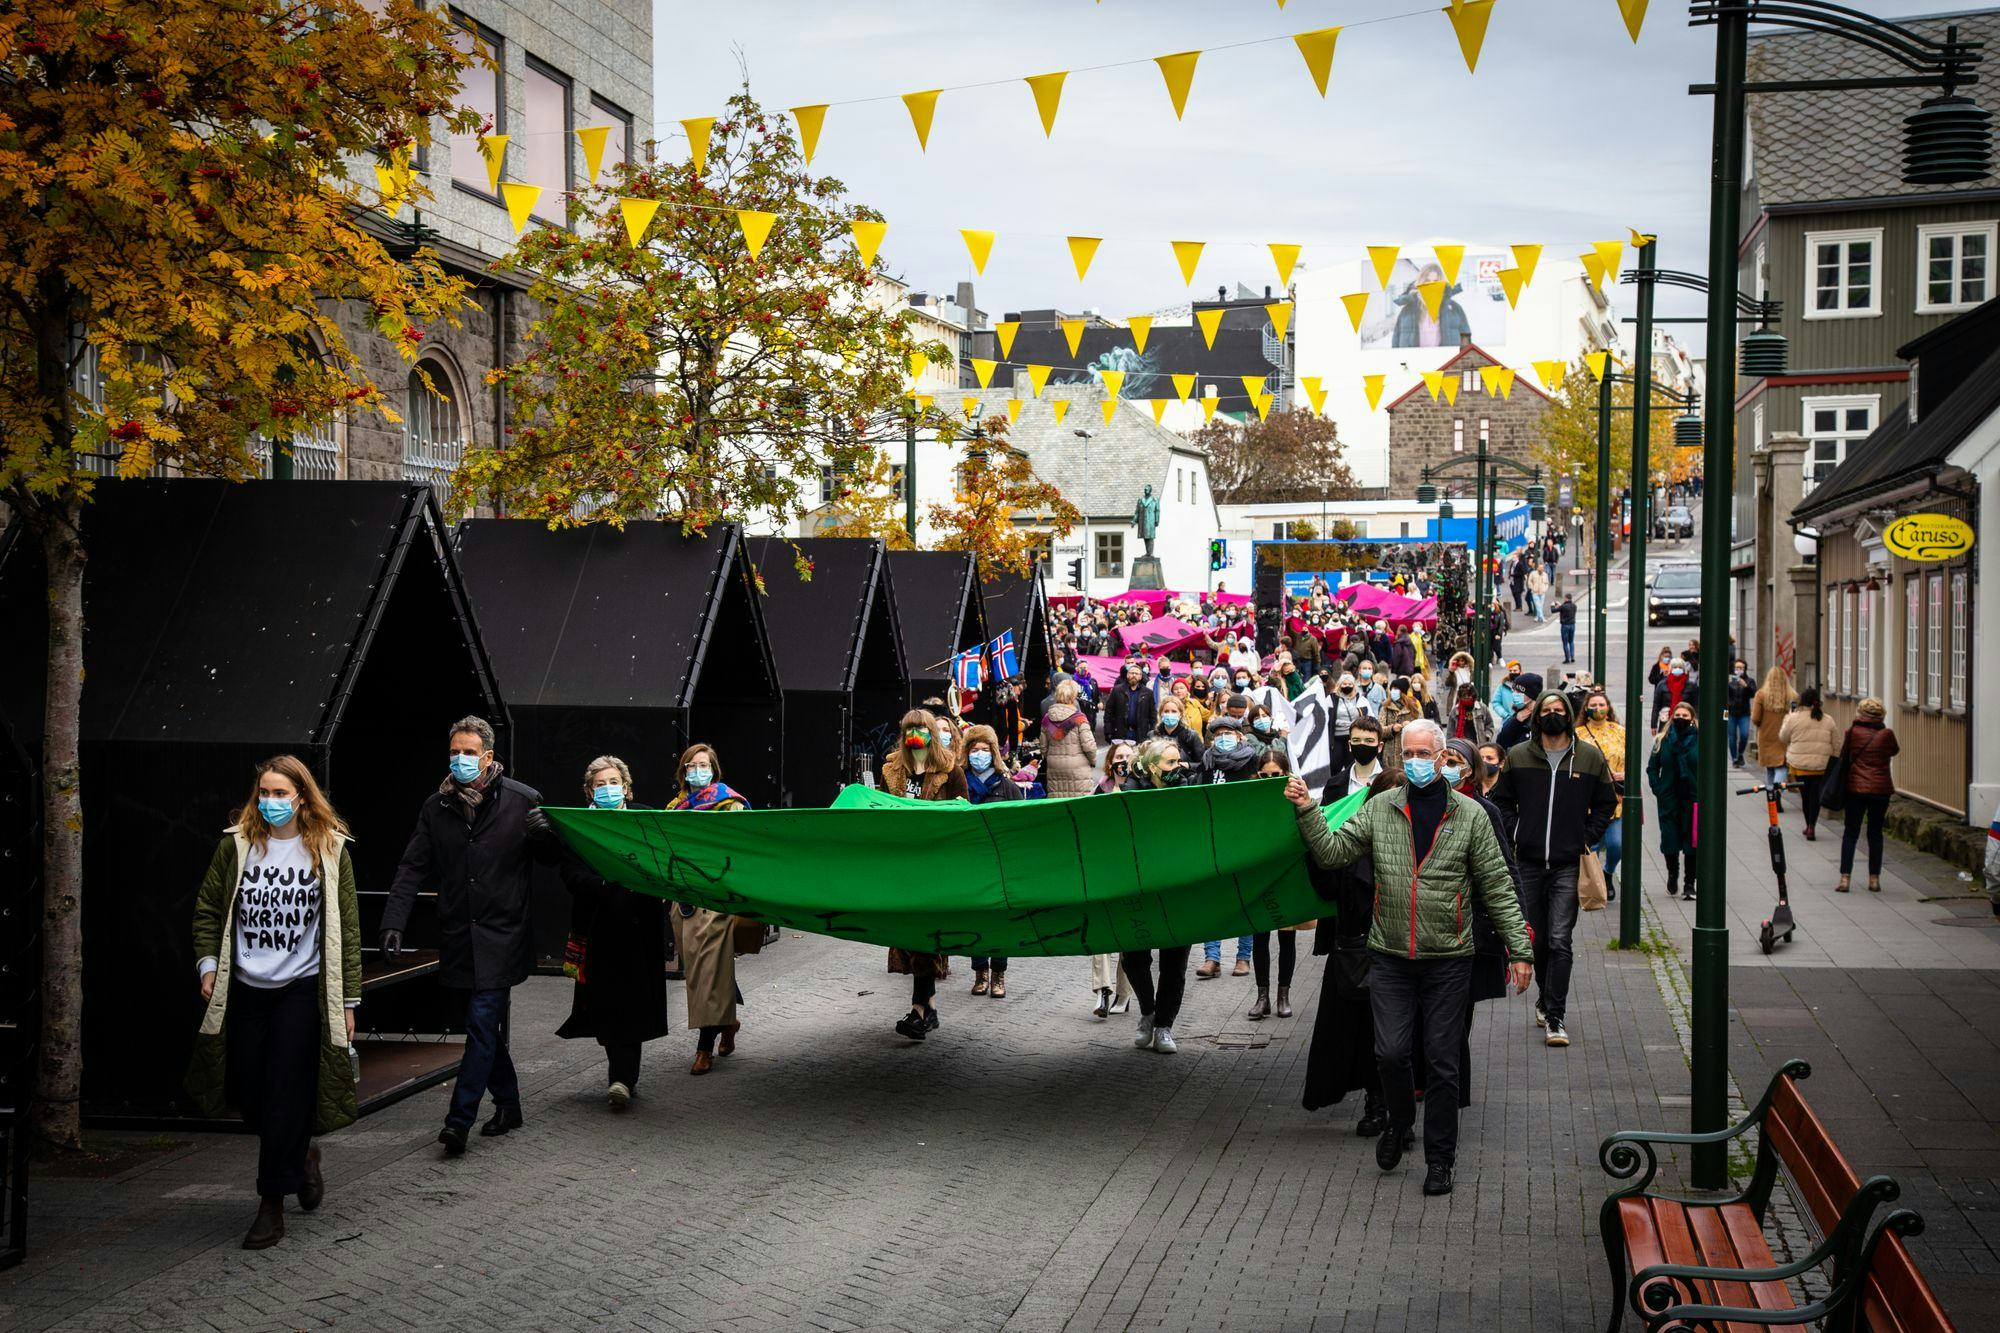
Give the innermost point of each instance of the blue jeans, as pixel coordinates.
(1613, 848)
(486, 1063)
(1569, 642)
(1739, 738)
(1212, 951)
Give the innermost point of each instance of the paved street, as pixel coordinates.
(1026, 1169)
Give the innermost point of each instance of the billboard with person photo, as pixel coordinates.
(1474, 306)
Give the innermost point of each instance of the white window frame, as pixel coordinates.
(1960, 603)
(1469, 381)
(1833, 673)
(1934, 640)
(1114, 543)
(434, 429)
(1990, 230)
(1841, 436)
(1815, 239)
(1863, 645)
(1913, 638)
(1458, 435)
(1847, 640)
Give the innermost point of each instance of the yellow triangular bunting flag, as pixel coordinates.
(1073, 334)
(1597, 361)
(868, 239)
(1038, 377)
(1210, 321)
(1252, 385)
(1142, 328)
(1434, 381)
(1184, 385)
(922, 107)
(811, 120)
(1284, 256)
(1449, 258)
(1451, 389)
(968, 405)
(1510, 283)
(1551, 373)
(1635, 15)
(493, 147)
(520, 202)
(1082, 249)
(756, 227)
(984, 370)
(1506, 380)
(1005, 331)
(1208, 406)
(1048, 95)
(1114, 380)
(1013, 411)
(1383, 257)
(1178, 70)
(593, 139)
(697, 133)
(1357, 306)
(1641, 239)
(1315, 392)
(393, 183)
(1281, 317)
(924, 401)
(1611, 254)
(1159, 409)
(1263, 402)
(638, 216)
(1468, 20)
(1490, 377)
(1060, 406)
(1187, 254)
(1110, 409)
(1372, 386)
(918, 364)
(1433, 296)
(1593, 268)
(1317, 48)
(978, 244)
(1525, 259)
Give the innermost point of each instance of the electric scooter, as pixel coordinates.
(1780, 925)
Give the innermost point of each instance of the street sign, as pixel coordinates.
(1566, 492)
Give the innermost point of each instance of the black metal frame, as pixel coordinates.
(1749, 308)
(1946, 64)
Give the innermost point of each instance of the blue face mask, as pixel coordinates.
(1420, 772)
(608, 797)
(277, 812)
(1170, 720)
(1225, 743)
(700, 777)
(1262, 724)
(1452, 775)
(980, 761)
(465, 767)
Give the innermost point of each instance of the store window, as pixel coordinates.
(1864, 615)
(1960, 593)
(1834, 664)
(1913, 637)
(1934, 641)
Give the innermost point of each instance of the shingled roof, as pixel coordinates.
(1820, 147)
(1127, 455)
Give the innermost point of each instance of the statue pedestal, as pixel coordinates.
(1147, 575)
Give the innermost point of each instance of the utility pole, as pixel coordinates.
(1637, 701)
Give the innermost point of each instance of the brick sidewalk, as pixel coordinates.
(1024, 1168)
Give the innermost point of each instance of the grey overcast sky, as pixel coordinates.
(1568, 132)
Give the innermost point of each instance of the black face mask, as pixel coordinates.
(1552, 724)
(1683, 725)
(1364, 754)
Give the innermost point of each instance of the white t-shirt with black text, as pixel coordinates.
(278, 906)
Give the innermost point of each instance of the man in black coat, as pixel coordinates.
(474, 839)
(1129, 712)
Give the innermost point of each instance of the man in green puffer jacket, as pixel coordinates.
(1431, 847)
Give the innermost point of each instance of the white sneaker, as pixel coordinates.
(1556, 1035)
(619, 1096)
(1123, 1006)
(1163, 1041)
(1144, 1038)
(1541, 1015)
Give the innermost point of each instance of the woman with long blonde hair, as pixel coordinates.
(1768, 710)
(280, 977)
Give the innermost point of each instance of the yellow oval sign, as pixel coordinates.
(1928, 537)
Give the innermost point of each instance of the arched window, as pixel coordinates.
(433, 434)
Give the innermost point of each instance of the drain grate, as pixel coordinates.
(1241, 1041)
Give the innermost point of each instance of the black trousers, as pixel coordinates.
(1440, 990)
(623, 1059)
(996, 965)
(1858, 808)
(1810, 786)
(1549, 893)
(272, 1046)
(922, 988)
(1288, 956)
(1164, 1006)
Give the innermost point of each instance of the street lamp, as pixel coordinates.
(1487, 469)
(1088, 555)
(1946, 142)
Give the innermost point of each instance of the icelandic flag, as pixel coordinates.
(1005, 663)
(965, 670)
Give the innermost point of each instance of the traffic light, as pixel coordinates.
(1076, 572)
(1218, 554)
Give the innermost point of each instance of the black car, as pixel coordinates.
(1678, 521)
(1674, 594)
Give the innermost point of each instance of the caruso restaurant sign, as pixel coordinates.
(1928, 537)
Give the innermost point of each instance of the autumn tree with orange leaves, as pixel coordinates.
(995, 486)
(182, 188)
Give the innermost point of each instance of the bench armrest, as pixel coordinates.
(1629, 1152)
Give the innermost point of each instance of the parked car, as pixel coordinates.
(1674, 594)
(1678, 521)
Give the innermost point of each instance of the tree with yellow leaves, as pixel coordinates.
(994, 487)
(1568, 444)
(182, 193)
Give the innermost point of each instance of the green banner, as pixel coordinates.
(1092, 874)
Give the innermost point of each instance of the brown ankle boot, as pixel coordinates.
(1284, 1002)
(314, 1189)
(269, 1227)
(1874, 884)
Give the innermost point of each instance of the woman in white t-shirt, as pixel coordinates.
(280, 998)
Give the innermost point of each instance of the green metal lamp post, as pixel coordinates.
(1488, 471)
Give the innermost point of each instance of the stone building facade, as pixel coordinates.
(1425, 434)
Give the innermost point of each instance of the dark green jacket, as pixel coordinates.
(1670, 773)
(1422, 911)
(339, 941)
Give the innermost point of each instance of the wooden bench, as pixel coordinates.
(1688, 1265)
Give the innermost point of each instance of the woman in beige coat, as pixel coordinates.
(705, 941)
(1069, 748)
(1809, 738)
(1768, 709)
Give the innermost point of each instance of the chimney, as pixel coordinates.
(965, 302)
(1464, 341)
(1267, 291)
(1021, 381)
(1222, 295)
